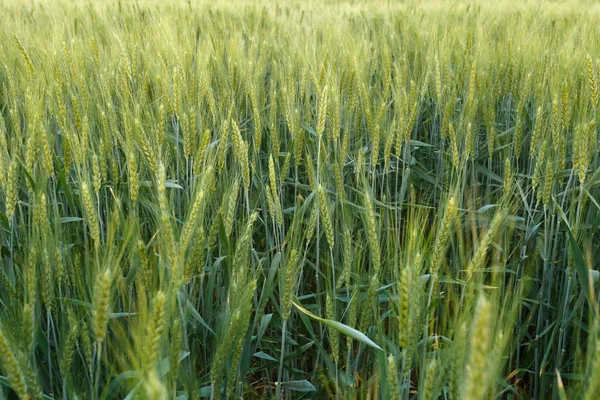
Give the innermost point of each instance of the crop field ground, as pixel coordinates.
(296, 200)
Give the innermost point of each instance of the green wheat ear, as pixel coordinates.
(13, 370)
(102, 306)
(477, 380)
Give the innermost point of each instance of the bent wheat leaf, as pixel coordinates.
(342, 328)
(582, 271)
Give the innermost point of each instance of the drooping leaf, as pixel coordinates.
(342, 328)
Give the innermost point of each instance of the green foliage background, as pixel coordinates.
(299, 200)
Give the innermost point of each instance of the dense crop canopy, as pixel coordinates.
(335, 199)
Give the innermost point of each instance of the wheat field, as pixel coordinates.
(295, 200)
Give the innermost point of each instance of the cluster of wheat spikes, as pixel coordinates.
(287, 200)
